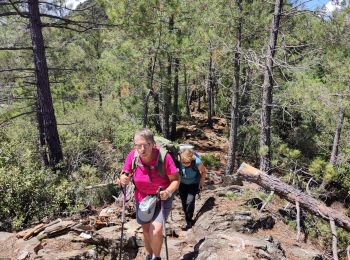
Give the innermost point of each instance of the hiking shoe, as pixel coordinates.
(187, 226)
(148, 257)
(157, 258)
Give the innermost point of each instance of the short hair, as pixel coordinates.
(145, 133)
(187, 155)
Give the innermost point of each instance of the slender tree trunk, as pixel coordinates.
(145, 108)
(334, 238)
(175, 115)
(199, 104)
(298, 220)
(150, 76)
(167, 101)
(100, 98)
(167, 88)
(210, 89)
(46, 116)
(265, 131)
(187, 94)
(156, 117)
(334, 153)
(235, 97)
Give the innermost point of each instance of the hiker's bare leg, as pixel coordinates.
(156, 237)
(146, 237)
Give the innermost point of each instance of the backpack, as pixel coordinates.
(193, 163)
(165, 146)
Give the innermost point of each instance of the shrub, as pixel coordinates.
(210, 160)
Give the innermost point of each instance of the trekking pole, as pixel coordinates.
(164, 226)
(123, 220)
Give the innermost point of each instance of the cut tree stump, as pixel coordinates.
(249, 173)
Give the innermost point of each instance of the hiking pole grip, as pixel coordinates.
(123, 186)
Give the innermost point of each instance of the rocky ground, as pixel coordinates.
(228, 226)
(228, 223)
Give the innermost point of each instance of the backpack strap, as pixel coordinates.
(194, 165)
(159, 166)
(135, 161)
(160, 161)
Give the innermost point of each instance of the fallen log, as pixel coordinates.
(249, 173)
(25, 234)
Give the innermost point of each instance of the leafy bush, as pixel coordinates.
(94, 141)
(97, 136)
(210, 160)
(322, 170)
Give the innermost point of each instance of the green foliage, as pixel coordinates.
(31, 194)
(322, 170)
(210, 160)
(96, 136)
(285, 157)
(231, 195)
(95, 141)
(263, 150)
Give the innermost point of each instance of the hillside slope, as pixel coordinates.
(228, 223)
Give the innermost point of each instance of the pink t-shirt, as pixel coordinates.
(143, 184)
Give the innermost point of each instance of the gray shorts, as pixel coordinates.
(158, 214)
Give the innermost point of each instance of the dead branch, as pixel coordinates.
(292, 194)
(298, 220)
(334, 239)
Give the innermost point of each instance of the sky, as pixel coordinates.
(73, 3)
(313, 4)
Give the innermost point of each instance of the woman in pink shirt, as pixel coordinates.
(147, 180)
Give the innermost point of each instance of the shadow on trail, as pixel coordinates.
(192, 255)
(208, 205)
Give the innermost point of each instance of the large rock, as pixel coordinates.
(13, 248)
(305, 254)
(234, 245)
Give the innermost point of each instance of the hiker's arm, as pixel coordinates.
(203, 172)
(173, 186)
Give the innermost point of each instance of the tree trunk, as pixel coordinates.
(291, 194)
(145, 108)
(167, 101)
(199, 104)
(167, 88)
(334, 239)
(210, 90)
(235, 97)
(334, 154)
(175, 115)
(187, 94)
(46, 116)
(42, 144)
(100, 98)
(156, 117)
(150, 76)
(265, 131)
